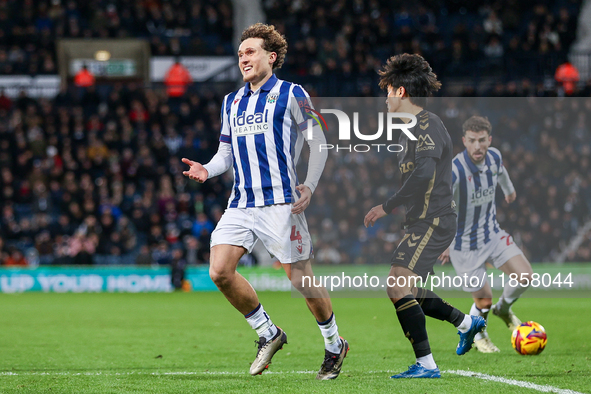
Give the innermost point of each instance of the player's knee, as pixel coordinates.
(484, 303)
(396, 293)
(220, 277)
(525, 278)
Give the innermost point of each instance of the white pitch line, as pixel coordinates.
(513, 382)
(470, 374)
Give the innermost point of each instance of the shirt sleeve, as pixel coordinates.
(302, 108)
(222, 160)
(455, 184)
(226, 133)
(302, 111)
(416, 184)
(503, 176)
(505, 182)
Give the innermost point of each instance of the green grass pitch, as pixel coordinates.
(196, 342)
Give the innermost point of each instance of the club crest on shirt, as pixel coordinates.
(272, 97)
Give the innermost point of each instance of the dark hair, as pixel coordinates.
(476, 124)
(413, 73)
(273, 41)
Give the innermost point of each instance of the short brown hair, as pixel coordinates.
(273, 41)
(476, 124)
(413, 73)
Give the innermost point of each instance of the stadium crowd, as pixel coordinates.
(101, 176)
(29, 29)
(336, 46)
(98, 179)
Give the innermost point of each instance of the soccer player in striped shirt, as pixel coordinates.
(263, 129)
(479, 238)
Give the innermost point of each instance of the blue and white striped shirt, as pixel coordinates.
(474, 193)
(262, 128)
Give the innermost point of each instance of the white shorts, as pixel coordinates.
(472, 262)
(284, 234)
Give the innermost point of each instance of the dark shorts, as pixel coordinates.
(423, 243)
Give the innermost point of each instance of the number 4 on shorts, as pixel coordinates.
(295, 235)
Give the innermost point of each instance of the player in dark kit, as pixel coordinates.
(426, 167)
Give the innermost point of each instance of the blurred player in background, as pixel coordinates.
(430, 225)
(261, 138)
(479, 238)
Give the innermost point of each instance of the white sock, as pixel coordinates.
(261, 322)
(330, 332)
(427, 361)
(504, 304)
(465, 324)
(510, 295)
(475, 311)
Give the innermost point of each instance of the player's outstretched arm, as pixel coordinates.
(196, 171)
(219, 163)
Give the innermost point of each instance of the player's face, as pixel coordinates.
(477, 143)
(255, 63)
(394, 99)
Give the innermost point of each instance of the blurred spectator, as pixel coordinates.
(201, 224)
(82, 247)
(191, 245)
(15, 258)
(3, 252)
(84, 78)
(162, 254)
(144, 256)
(5, 101)
(567, 75)
(177, 79)
(178, 266)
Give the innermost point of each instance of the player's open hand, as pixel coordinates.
(511, 197)
(304, 200)
(374, 214)
(196, 171)
(444, 258)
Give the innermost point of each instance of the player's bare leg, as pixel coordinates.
(481, 307)
(517, 265)
(318, 302)
(222, 270)
(317, 298)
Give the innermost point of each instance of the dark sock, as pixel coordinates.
(434, 306)
(412, 320)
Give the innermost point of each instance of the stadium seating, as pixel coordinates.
(28, 29)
